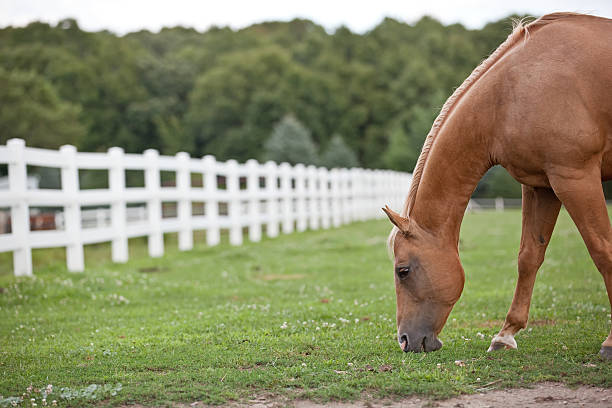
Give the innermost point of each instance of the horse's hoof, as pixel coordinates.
(506, 342)
(606, 352)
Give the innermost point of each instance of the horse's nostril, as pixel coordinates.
(403, 340)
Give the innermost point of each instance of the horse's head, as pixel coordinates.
(428, 281)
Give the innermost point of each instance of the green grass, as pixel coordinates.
(208, 325)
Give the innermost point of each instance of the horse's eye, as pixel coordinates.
(402, 271)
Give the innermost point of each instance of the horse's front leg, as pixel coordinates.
(540, 210)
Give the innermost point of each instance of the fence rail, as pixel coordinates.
(280, 198)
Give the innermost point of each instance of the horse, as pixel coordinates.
(540, 106)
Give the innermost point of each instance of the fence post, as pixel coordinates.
(116, 185)
(377, 180)
(334, 194)
(154, 208)
(234, 209)
(313, 194)
(272, 193)
(369, 192)
(345, 210)
(183, 186)
(253, 189)
(211, 206)
(72, 209)
(350, 201)
(300, 194)
(324, 197)
(363, 194)
(20, 211)
(287, 197)
(353, 177)
(499, 204)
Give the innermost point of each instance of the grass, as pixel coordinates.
(308, 315)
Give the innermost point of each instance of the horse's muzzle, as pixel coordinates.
(419, 342)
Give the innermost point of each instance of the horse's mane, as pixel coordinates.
(520, 30)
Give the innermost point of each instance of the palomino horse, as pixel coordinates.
(540, 106)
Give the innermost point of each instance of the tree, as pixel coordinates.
(290, 142)
(406, 138)
(223, 91)
(338, 154)
(400, 153)
(32, 110)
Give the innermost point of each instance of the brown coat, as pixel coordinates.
(541, 106)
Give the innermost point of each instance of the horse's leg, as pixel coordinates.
(540, 210)
(584, 199)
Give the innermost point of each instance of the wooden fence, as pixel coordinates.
(228, 196)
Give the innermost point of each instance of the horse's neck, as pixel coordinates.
(457, 161)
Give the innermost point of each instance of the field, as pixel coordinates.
(309, 315)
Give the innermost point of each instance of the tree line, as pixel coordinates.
(278, 90)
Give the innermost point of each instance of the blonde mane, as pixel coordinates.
(520, 30)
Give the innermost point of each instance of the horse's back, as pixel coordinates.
(553, 96)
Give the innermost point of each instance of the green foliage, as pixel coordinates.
(32, 110)
(338, 154)
(222, 91)
(498, 183)
(293, 317)
(290, 142)
(405, 139)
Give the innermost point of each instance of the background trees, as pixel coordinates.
(290, 142)
(363, 99)
(37, 112)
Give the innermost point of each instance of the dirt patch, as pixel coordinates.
(542, 395)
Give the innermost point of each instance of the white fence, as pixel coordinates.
(282, 198)
(497, 204)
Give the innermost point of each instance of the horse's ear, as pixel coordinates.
(403, 223)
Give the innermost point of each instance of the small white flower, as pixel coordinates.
(303, 364)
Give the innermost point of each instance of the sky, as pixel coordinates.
(122, 16)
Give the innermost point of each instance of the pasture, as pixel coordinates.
(307, 315)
